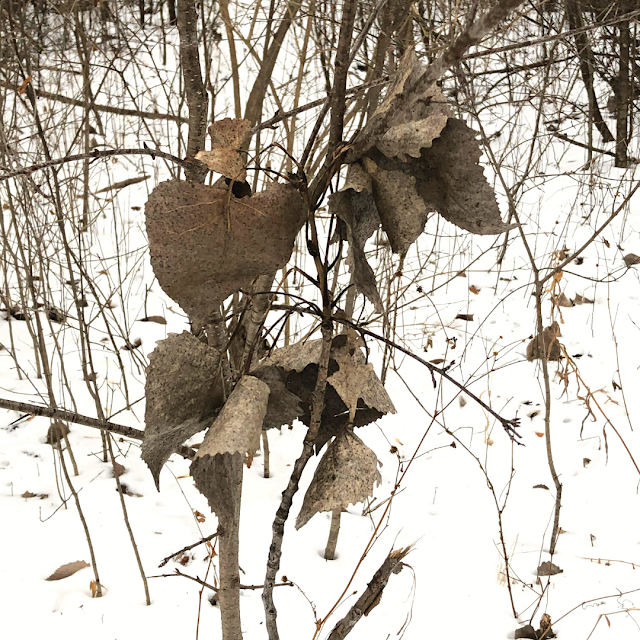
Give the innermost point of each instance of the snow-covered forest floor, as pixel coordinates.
(468, 486)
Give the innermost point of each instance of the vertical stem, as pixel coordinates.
(330, 551)
(265, 454)
(196, 95)
(226, 18)
(228, 469)
(275, 551)
(544, 362)
(622, 95)
(84, 522)
(126, 519)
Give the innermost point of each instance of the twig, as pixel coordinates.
(187, 548)
(76, 418)
(95, 153)
(371, 595)
(119, 111)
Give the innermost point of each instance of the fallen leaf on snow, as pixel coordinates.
(67, 570)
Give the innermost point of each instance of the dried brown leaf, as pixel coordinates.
(299, 364)
(283, 406)
(156, 319)
(460, 192)
(205, 244)
(356, 380)
(118, 469)
(548, 344)
(549, 569)
(183, 392)
(67, 570)
(346, 475)
(562, 301)
(349, 381)
(296, 356)
(581, 300)
(23, 87)
(402, 211)
(226, 140)
(238, 426)
(354, 204)
(217, 468)
(416, 126)
(415, 121)
(630, 259)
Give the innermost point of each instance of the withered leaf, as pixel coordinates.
(445, 178)
(526, 632)
(217, 468)
(156, 319)
(238, 426)
(226, 139)
(183, 392)
(562, 301)
(118, 469)
(299, 363)
(581, 300)
(549, 569)
(402, 211)
(415, 121)
(545, 344)
(356, 380)
(355, 206)
(349, 381)
(418, 122)
(346, 475)
(460, 192)
(283, 406)
(205, 244)
(67, 570)
(467, 317)
(57, 432)
(296, 356)
(630, 259)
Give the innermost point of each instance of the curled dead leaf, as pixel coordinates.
(346, 475)
(183, 391)
(217, 468)
(224, 157)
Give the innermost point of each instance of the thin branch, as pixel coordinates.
(76, 418)
(187, 548)
(95, 153)
(105, 108)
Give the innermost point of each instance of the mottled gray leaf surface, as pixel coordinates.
(403, 212)
(183, 391)
(283, 406)
(356, 380)
(355, 205)
(415, 121)
(297, 356)
(346, 475)
(224, 157)
(205, 244)
(239, 424)
(468, 201)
